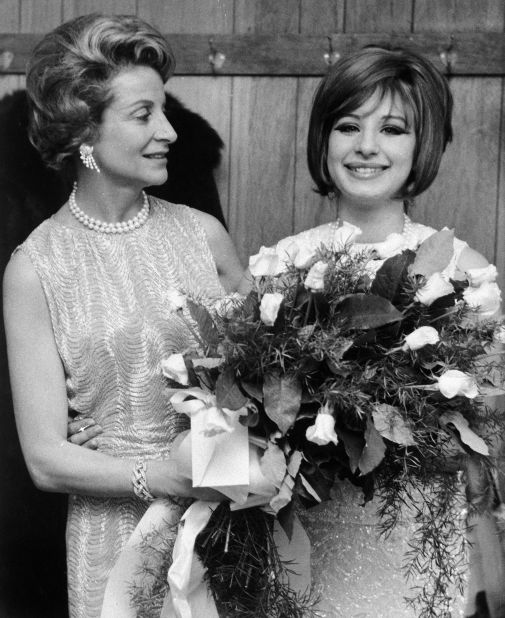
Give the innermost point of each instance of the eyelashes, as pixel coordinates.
(349, 129)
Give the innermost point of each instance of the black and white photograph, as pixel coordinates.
(253, 344)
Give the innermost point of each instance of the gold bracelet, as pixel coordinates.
(139, 481)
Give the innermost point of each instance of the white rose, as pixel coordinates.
(266, 263)
(175, 299)
(435, 287)
(304, 256)
(485, 299)
(345, 235)
(420, 337)
(454, 382)
(315, 277)
(269, 307)
(323, 430)
(478, 276)
(174, 368)
(287, 250)
(394, 244)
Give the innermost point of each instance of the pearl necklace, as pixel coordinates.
(408, 228)
(108, 228)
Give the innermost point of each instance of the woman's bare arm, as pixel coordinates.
(228, 265)
(40, 404)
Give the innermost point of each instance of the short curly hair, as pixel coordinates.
(69, 74)
(351, 81)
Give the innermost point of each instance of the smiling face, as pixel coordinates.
(134, 135)
(371, 150)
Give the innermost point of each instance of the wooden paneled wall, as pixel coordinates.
(264, 184)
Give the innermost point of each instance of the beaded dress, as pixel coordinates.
(356, 573)
(109, 297)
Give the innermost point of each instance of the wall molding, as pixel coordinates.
(457, 53)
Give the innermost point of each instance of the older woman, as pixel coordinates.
(92, 297)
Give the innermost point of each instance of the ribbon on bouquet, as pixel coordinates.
(189, 596)
(215, 453)
(216, 461)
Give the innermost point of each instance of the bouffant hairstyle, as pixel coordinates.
(69, 74)
(351, 81)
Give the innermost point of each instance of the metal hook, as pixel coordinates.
(6, 58)
(216, 58)
(449, 56)
(332, 55)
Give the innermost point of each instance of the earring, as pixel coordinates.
(86, 154)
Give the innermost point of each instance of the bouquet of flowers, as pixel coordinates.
(339, 365)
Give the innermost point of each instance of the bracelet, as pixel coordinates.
(139, 481)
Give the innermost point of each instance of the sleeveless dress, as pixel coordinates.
(356, 573)
(109, 298)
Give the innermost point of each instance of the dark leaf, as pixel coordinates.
(205, 378)
(320, 483)
(365, 338)
(302, 297)
(206, 327)
(364, 311)
(374, 450)
(390, 275)
(282, 399)
(250, 305)
(353, 444)
(286, 518)
(252, 419)
(253, 390)
(228, 393)
(434, 254)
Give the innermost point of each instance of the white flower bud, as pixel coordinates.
(478, 276)
(174, 368)
(485, 300)
(315, 277)
(323, 430)
(175, 299)
(269, 307)
(304, 256)
(420, 337)
(266, 263)
(454, 382)
(435, 287)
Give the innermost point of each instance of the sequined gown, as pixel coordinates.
(110, 307)
(355, 573)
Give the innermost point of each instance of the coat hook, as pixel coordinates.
(6, 58)
(449, 56)
(216, 58)
(332, 55)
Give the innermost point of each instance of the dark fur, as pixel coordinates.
(30, 192)
(32, 523)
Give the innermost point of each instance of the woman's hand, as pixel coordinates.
(165, 479)
(82, 430)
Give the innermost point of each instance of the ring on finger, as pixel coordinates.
(84, 427)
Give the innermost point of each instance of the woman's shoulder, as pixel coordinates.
(38, 242)
(20, 278)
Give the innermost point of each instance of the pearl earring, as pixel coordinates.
(86, 154)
